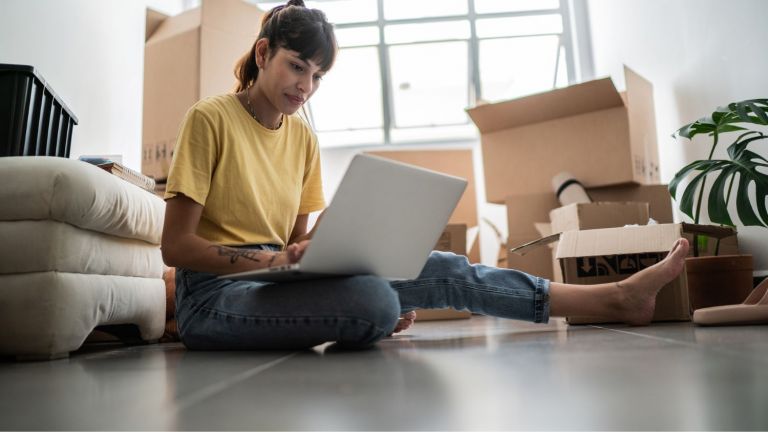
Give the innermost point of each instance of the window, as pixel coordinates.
(408, 69)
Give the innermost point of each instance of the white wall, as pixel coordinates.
(699, 54)
(91, 52)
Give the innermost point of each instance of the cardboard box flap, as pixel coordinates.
(615, 241)
(543, 228)
(599, 214)
(473, 235)
(657, 196)
(181, 23)
(153, 21)
(565, 102)
(642, 121)
(532, 245)
(713, 231)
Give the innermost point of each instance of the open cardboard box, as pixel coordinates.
(595, 215)
(601, 214)
(527, 141)
(188, 57)
(613, 254)
(524, 212)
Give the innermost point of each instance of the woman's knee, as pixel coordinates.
(373, 300)
(445, 265)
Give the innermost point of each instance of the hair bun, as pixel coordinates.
(299, 3)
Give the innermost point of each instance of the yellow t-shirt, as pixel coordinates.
(252, 181)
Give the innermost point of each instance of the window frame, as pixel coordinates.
(578, 57)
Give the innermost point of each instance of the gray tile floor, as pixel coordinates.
(482, 373)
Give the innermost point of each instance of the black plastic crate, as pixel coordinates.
(34, 121)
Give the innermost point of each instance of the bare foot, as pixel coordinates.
(639, 290)
(406, 321)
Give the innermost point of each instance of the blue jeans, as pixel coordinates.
(355, 311)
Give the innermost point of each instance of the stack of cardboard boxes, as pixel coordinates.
(607, 140)
(188, 57)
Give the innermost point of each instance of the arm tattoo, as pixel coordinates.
(234, 254)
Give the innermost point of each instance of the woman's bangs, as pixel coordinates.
(317, 46)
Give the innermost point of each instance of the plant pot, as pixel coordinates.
(718, 280)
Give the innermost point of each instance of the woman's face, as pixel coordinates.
(288, 81)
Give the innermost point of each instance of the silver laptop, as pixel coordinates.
(384, 220)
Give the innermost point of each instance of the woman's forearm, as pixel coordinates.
(195, 253)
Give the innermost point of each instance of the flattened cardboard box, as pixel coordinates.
(526, 141)
(188, 57)
(613, 254)
(453, 239)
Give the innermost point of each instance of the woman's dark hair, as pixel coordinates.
(294, 27)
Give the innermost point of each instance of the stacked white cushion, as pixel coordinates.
(80, 194)
(80, 248)
(47, 245)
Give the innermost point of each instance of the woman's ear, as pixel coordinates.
(261, 52)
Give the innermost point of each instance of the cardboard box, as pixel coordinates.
(613, 254)
(657, 196)
(594, 215)
(524, 211)
(584, 216)
(453, 239)
(186, 58)
(728, 246)
(526, 141)
(441, 314)
(660, 202)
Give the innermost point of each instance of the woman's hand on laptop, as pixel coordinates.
(296, 250)
(292, 254)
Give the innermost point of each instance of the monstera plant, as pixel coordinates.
(741, 176)
(732, 176)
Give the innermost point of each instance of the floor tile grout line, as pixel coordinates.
(202, 394)
(688, 344)
(645, 336)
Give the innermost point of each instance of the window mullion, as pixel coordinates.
(567, 41)
(557, 61)
(386, 80)
(475, 89)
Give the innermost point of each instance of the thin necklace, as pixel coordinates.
(253, 114)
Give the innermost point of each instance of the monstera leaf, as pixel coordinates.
(740, 171)
(727, 119)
